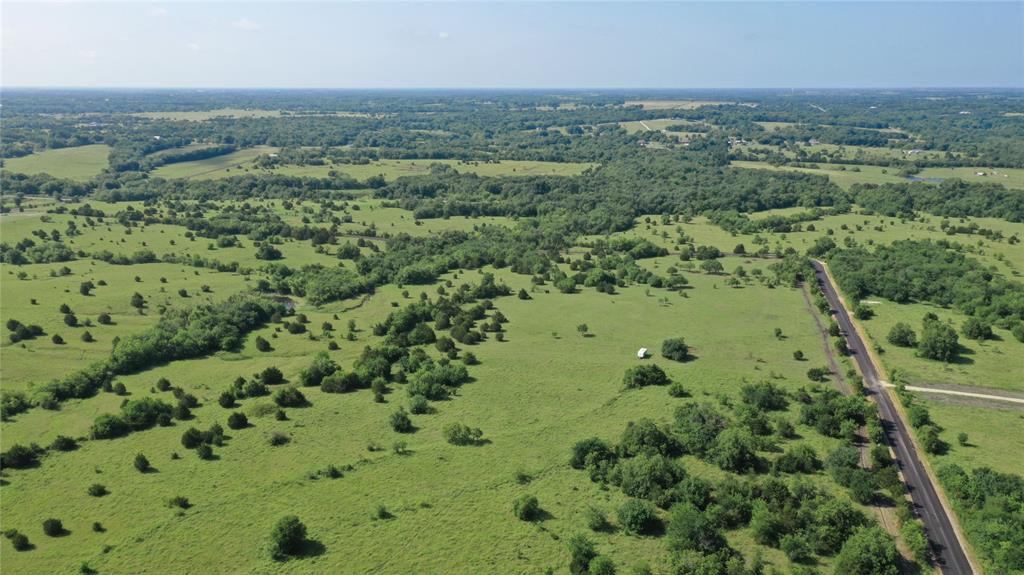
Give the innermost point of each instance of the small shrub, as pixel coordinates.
(418, 405)
(596, 519)
(637, 516)
(675, 349)
(289, 397)
(97, 490)
(179, 502)
(526, 507)
(400, 421)
(278, 438)
(20, 541)
(461, 434)
(677, 390)
(643, 376)
(238, 420)
(63, 443)
(204, 452)
(601, 565)
(141, 463)
(226, 400)
(53, 527)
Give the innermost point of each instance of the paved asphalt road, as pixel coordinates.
(948, 551)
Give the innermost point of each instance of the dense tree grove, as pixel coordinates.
(991, 505)
(927, 271)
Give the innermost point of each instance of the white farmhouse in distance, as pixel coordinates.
(641, 353)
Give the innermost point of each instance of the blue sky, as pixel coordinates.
(513, 45)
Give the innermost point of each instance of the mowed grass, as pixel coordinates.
(534, 395)
(845, 175)
(78, 163)
(215, 167)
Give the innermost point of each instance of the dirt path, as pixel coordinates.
(959, 393)
(886, 515)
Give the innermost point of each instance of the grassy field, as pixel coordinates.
(188, 148)
(240, 162)
(533, 395)
(845, 175)
(656, 125)
(677, 104)
(991, 442)
(78, 163)
(991, 363)
(215, 167)
(38, 361)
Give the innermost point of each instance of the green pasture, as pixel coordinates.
(215, 167)
(534, 395)
(845, 175)
(240, 163)
(991, 441)
(77, 163)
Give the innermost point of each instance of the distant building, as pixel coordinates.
(641, 353)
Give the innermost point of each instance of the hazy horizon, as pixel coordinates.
(514, 46)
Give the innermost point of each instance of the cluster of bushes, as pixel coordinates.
(135, 415)
(938, 341)
(22, 332)
(28, 252)
(408, 326)
(793, 516)
(180, 333)
(920, 419)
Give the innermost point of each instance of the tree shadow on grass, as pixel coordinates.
(309, 548)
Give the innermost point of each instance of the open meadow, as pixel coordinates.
(77, 163)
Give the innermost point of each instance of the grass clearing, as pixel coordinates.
(78, 163)
(211, 168)
(845, 175)
(235, 164)
(679, 104)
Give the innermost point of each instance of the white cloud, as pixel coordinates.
(246, 24)
(89, 56)
(192, 46)
(442, 35)
(158, 11)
